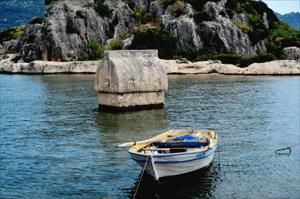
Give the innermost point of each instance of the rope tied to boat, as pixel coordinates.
(286, 150)
(141, 177)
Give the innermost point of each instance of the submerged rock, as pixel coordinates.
(131, 79)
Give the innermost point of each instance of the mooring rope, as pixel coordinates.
(141, 177)
(278, 151)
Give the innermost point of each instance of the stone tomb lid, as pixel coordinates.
(127, 71)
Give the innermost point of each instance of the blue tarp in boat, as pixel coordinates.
(186, 138)
(179, 144)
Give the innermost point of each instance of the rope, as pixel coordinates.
(279, 151)
(141, 177)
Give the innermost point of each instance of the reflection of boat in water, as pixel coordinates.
(196, 184)
(175, 152)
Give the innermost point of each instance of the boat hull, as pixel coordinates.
(160, 166)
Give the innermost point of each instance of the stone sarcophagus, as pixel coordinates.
(130, 80)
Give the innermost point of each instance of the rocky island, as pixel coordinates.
(240, 37)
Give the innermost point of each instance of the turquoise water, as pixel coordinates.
(54, 143)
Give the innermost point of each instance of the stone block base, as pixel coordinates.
(113, 109)
(130, 101)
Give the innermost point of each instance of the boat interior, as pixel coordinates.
(178, 142)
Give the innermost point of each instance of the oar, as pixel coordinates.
(129, 144)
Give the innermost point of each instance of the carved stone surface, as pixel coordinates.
(130, 78)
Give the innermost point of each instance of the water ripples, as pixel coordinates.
(54, 143)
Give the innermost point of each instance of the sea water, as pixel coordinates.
(55, 144)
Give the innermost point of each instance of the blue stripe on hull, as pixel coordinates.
(174, 161)
(178, 154)
(181, 161)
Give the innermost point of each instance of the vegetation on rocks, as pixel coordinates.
(156, 39)
(241, 32)
(140, 15)
(203, 16)
(167, 2)
(102, 9)
(283, 36)
(277, 34)
(48, 2)
(116, 44)
(236, 59)
(178, 8)
(12, 33)
(244, 27)
(260, 58)
(95, 50)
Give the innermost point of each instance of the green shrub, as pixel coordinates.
(188, 54)
(197, 4)
(245, 28)
(166, 3)
(83, 57)
(12, 33)
(288, 42)
(156, 39)
(178, 8)
(140, 14)
(236, 59)
(259, 7)
(254, 11)
(225, 58)
(95, 51)
(256, 8)
(102, 9)
(232, 4)
(203, 16)
(230, 58)
(48, 2)
(282, 36)
(260, 58)
(259, 31)
(116, 44)
(284, 31)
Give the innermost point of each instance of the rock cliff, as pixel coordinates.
(68, 26)
(73, 30)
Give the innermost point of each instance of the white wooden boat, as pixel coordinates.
(174, 152)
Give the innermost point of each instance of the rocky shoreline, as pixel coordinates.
(174, 67)
(47, 67)
(277, 67)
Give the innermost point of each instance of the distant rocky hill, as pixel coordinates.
(15, 12)
(293, 19)
(196, 29)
